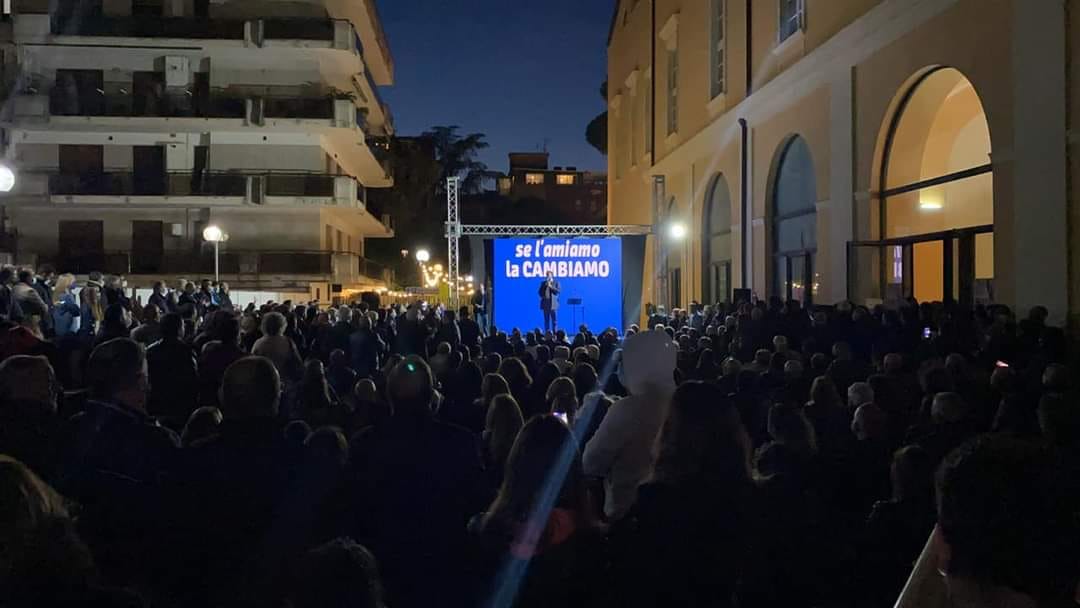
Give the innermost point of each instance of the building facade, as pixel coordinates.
(867, 150)
(579, 197)
(134, 124)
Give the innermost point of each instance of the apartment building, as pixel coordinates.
(868, 150)
(573, 195)
(134, 124)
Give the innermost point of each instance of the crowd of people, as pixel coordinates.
(187, 452)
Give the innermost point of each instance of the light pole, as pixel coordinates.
(215, 235)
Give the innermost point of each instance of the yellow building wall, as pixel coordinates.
(974, 36)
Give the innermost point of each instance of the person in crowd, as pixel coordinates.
(148, 331)
(342, 378)
(897, 528)
(158, 298)
(470, 329)
(65, 310)
(858, 394)
(173, 369)
(540, 541)
(684, 541)
(217, 355)
(400, 468)
(317, 404)
(201, 425)
(340, 573)
(28, 299)
(501, 428)
(9, 307)
(116, 323)
(520, 383)
(561, 400)
(114, 433)
(244, 473)
(983, 489)
(43, 561)
(277, 347)
(222, 297)
(621, 450)
(30, 428)
(365, 347)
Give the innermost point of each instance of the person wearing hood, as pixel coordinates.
(621, 450)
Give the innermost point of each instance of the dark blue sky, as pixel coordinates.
(520, 71)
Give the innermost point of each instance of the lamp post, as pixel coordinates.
(215, 235)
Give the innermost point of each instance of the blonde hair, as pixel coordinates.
(63, 285)
(91, 298)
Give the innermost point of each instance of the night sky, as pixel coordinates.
(520, 71)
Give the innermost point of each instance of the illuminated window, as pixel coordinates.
(565, 179)
(534, 179)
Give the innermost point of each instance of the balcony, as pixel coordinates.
(225, 185)
(239, 267)
(147, 27)
(36, 22)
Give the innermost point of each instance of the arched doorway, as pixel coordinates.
(716, 243)
(935, 210)
(794, 222)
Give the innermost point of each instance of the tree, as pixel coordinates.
(457, 155)
(596, 131)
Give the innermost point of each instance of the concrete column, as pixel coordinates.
(1039, 218)
(841, 188)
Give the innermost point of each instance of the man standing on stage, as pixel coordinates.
(480, 314)
(549, 302)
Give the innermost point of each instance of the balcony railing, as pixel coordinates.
(141, 184)
(297, 29)
(232, 262)
(205, 183)
(278, 184)
(147, 27)
(96, 103)
(298, 107)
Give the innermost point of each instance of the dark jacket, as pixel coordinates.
(113, 440)
(160, 302)
(470, 332)
(682, 545)
(364, 349)
(401, 468)
(173, 379)
(232, 493)
(549, 295)
(215, 359)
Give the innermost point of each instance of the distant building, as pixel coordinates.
(578, 197)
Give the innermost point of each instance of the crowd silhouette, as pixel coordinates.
(187, 451)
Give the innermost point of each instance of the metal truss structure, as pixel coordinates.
(455, 230)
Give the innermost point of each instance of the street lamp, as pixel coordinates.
(215, 235)
(7, 178)
(677, 230)
(422, 255)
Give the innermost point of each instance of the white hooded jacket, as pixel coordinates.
(621, 449)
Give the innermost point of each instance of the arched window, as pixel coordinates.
(937, 178)
(716, 243)
(794, 222)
